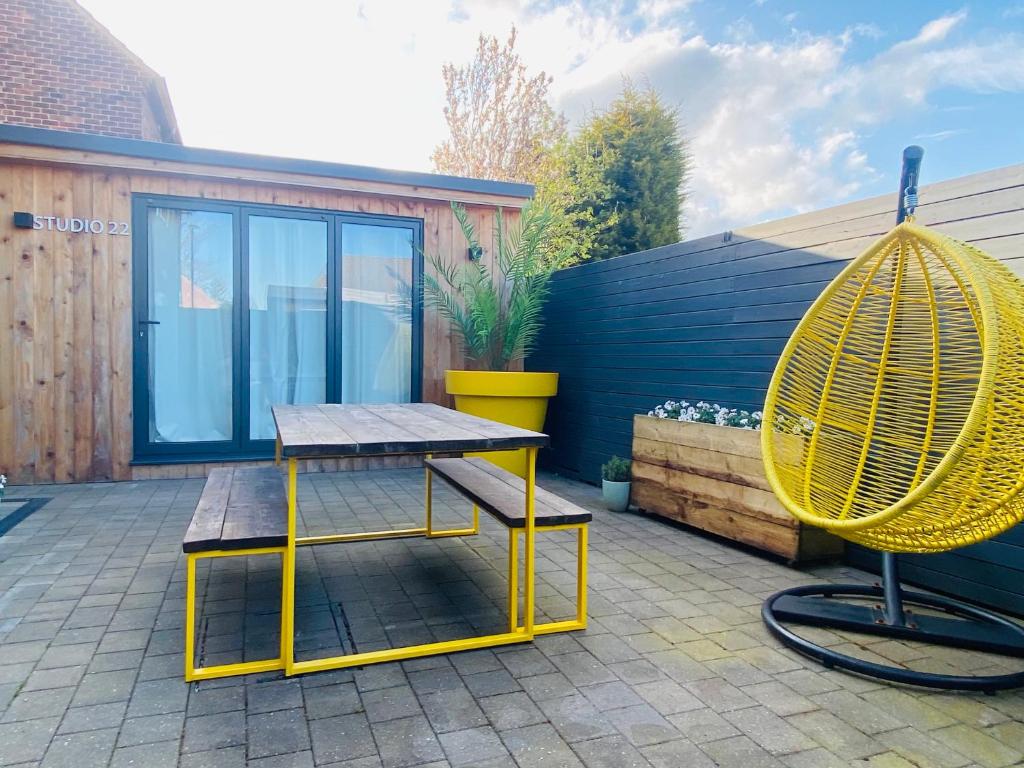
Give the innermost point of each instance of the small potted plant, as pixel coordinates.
(615, 484)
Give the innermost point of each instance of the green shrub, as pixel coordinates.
(616, 470)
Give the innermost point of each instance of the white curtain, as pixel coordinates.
(190, 295)
(376, 338)
(287, 316)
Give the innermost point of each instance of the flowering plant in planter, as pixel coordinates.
(708, 413)
(713, 413)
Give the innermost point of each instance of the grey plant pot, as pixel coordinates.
(615, 495)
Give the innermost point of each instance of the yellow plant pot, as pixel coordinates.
(511, 397)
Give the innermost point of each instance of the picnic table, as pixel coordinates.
(346, 431)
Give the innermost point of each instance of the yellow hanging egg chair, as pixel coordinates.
(903, 390)
(895, 419)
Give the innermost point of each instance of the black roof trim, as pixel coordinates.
(154, 150)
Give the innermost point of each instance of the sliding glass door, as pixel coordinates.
(287, 265)
(239, 308)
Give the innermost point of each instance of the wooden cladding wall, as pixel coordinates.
(66, 306)
(707, 320)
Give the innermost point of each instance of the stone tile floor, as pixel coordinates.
(675, 670)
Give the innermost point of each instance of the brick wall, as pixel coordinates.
(60, 69)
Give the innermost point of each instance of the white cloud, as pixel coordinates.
(775, 126)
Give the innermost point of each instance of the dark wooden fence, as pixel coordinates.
(706, 320)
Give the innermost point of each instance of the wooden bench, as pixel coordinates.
(503, 495)
(241, 511)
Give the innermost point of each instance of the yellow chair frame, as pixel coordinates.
(905, 385)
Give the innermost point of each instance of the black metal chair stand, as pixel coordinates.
(882, 610)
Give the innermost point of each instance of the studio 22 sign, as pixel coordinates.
(70, 224)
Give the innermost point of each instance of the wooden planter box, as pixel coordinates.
(712, 478)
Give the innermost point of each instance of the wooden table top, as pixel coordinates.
(333, 430)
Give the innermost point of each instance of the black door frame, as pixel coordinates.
(241, 446)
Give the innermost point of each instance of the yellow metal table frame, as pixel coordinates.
(517, 632)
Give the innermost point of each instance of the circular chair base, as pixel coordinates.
(963, 626)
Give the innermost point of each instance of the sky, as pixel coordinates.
(786, 106)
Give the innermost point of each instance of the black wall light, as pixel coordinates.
(475, 252)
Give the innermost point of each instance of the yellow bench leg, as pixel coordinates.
(429, 527)
(224, 670)
(580, 622)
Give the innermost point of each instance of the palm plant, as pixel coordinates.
(496, 309)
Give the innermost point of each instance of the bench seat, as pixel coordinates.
(240, 508)
(503, 494)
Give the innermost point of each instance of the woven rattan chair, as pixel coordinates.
(895, 419)
(906, 379)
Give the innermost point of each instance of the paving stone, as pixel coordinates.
(576, 719)
(814, 758)
(829, 731)
(81, 750)
(472, 746)
(93, 717)
(406, 742)
(702, 725)
(739, 752)
(677, 754)
(511, 710)
(526, 662)
(390, 703)
(922, 749)
(104, 687)
(642, 725)
(275, 733)
(612, 695)
(343, 737)
(211, 701)
(491, 683)
(31, 705)
(160, 755)
(582, 668)
(151, 729)
(540, 745)
(453, 710)
(978, 746)
(550, 686)
(291, 760)
(53, 678)
(779, 698)
(232, 757)
(209, 732)
(26, 740)
(856, 711)
(719, 695)
(332, 700)
(158, 697)
(274, 695)
(610, 752)
(668, 697)
(770, 731)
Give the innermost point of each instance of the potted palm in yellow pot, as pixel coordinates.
(495, 310)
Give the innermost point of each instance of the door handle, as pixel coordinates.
(149, 322)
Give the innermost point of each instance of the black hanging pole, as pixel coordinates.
(909, 176)
(912, 157)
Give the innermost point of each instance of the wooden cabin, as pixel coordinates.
(157, 299)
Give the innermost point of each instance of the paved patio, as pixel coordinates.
(675, 670)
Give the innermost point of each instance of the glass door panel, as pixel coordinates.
(376, 313)
(189, 334)
(287, 267)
